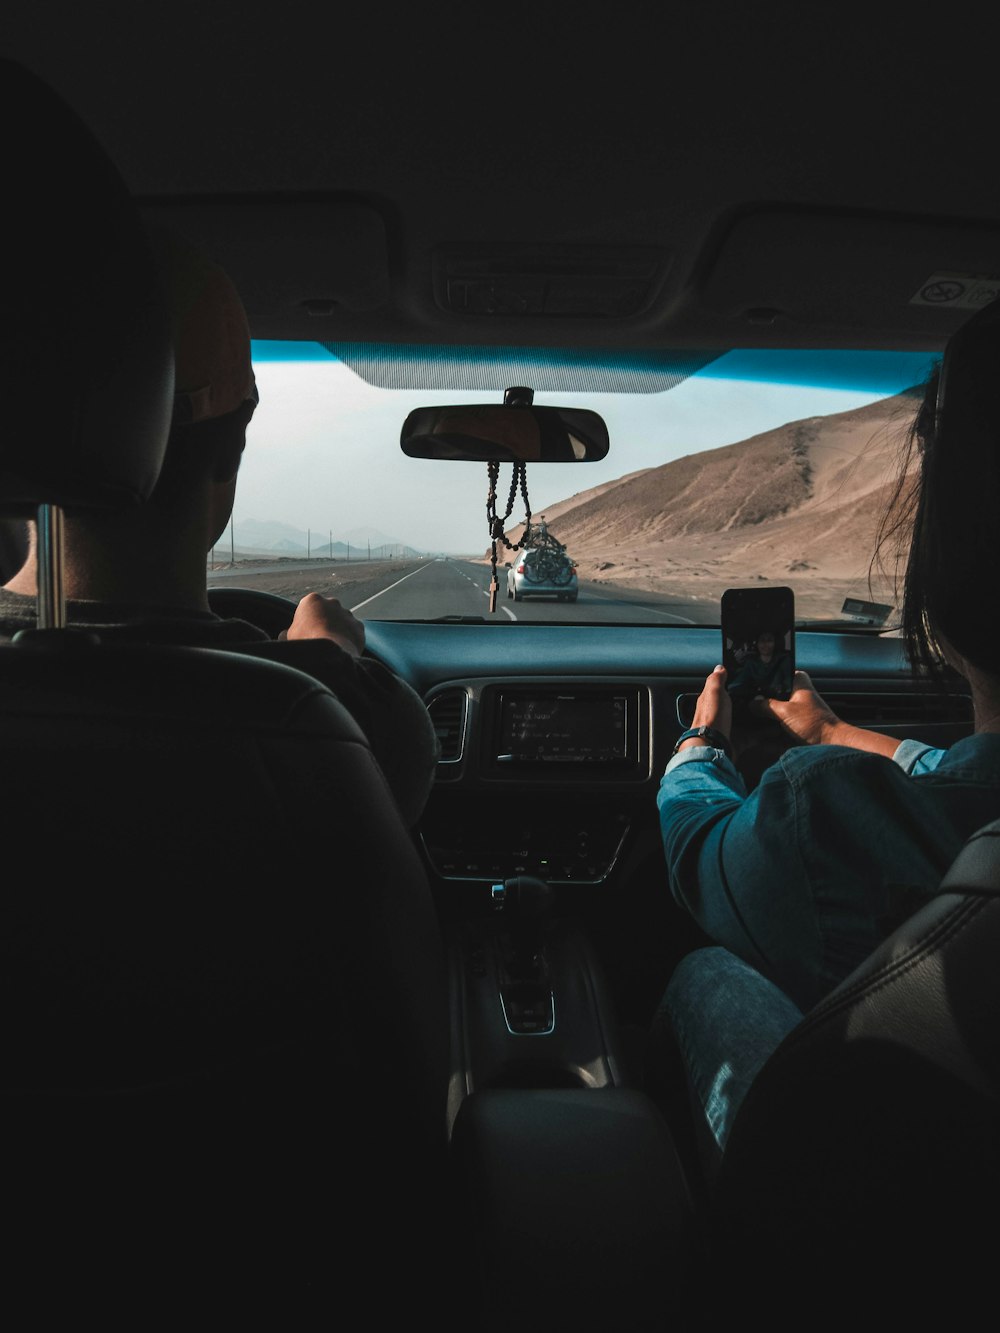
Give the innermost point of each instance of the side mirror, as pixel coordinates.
(515, 432)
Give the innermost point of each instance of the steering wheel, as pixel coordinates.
(269, 611)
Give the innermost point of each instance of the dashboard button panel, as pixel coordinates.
(570, 846)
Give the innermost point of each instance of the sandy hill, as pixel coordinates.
(799, 504)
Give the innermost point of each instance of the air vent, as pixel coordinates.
(877, 709)
(448, 711)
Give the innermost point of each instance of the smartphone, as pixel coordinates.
(758, 643)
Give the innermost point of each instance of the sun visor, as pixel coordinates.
(320, 257)
(853, 273)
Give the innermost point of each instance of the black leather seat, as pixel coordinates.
(862, 1170)
(225, 1006)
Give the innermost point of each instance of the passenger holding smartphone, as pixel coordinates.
(849, 831)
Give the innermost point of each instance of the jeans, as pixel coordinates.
(726, 1020)
(804, 876)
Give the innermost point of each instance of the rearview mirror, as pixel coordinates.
(515, 432)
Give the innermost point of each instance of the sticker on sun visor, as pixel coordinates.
(962, 291)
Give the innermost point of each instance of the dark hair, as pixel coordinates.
(948, 506)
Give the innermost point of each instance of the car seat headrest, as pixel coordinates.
(86, 370)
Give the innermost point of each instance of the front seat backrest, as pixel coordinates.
(864, 1162)
(225, 1056)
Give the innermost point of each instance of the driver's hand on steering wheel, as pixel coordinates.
(319, 617)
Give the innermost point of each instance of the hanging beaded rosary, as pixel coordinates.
(497, 524)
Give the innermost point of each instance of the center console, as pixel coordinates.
(529, 1003)
(575, 1202)
(551, 1133)
(545, 781)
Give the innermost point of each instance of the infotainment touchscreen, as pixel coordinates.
(563, 728)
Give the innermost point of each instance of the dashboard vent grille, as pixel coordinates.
(874, 708)
(448, 712)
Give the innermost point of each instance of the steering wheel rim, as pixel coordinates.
(269, 611)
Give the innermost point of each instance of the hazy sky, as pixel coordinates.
(323, 448)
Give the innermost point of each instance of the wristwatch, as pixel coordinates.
(708, 734)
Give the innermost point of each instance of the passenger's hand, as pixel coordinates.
(804, 715)
(318, 617)
(807, 718)
(714, 707)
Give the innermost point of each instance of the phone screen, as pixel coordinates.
(758, 643)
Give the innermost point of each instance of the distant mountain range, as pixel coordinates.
(255, 536)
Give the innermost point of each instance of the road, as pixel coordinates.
(434, 588)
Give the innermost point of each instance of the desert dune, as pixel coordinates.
(799, 505)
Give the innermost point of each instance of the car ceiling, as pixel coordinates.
(612, 176)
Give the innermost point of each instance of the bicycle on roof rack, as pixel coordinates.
(544, 567)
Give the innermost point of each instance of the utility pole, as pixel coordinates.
(331, 543)
(369, 548)
(308, 543)
(232, 542)
(348, 552)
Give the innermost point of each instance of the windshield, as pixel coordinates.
(732, 469)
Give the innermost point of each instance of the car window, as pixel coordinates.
(725, 469)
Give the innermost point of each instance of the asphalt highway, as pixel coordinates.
(441, 587)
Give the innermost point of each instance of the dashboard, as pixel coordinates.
(554, 737)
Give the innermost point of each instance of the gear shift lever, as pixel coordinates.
(528, 901)
(526, 991)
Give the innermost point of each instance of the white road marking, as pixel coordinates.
(390, 587)
(504, 609)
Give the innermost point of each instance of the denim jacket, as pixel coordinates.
(805, 875)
